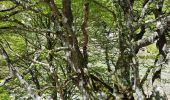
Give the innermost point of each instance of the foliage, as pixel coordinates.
(4, 94)
(82, 49)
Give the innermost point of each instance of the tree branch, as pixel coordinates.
(10, 14)
(6, 80)
(18, 76)
(5, 10)
(147, 41)
(85, 34)
(145, 77)
(145, 7)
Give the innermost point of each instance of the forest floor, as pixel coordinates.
(146, 60)
(167, 90)
(166, 80)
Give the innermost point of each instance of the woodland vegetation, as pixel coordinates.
(83, 49)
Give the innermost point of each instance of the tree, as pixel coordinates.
(56, 49)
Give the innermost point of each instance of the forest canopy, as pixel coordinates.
(84, 49)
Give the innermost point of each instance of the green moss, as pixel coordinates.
(152, 49)
(4, 94)
(3, 72)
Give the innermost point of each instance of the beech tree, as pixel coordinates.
(83, 49)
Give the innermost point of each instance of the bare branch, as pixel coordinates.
(10, 14)
(157, 19)
(147, 41)
(18, 76)
(85, 34)
(6, 80)
(145, 77)
(61, 48)
(145, 7)
(12, 8)
(28, 29)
